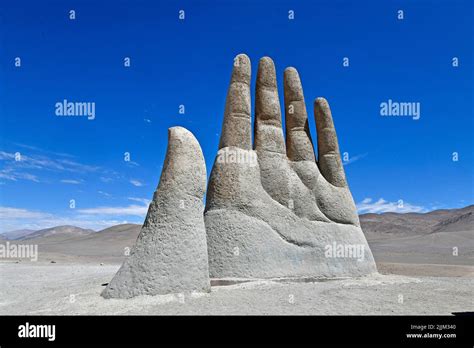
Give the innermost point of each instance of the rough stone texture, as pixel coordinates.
(275, 217)
(170, 255)
(236, 128)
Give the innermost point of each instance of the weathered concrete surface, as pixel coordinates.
(170, 255)
(278, 216)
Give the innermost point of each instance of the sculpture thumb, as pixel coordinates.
(170, 255)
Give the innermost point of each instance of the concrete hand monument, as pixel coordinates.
(273, 209)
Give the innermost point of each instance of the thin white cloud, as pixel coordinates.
(42, 162)
(29, 177)
(132, 163)
(37, 149)
(17, 213)
(18, 165)
(9, 174)
(354, 158)
(104, 193)
(135, 182)
(17, 218)
(382, 206)
(105, 179)
(135, 210)
(78, 167)
(145, 201)
(71, 181)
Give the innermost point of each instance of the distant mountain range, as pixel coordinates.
(407, 238)
(16, 234)
(395, 225)
(63, 231)
(442, 237)
(375, 226)
(67, 243)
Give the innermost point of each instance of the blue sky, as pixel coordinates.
(188, 62)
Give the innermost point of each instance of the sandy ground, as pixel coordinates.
(426, 270)
(417, 275)
(38, 288)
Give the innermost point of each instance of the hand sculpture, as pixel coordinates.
(274, 211)
(170, 255)
(271, 211)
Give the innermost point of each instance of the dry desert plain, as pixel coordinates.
(425, 263)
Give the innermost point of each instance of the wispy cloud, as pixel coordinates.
(145, 201)
(19, 167)
(132, 164)
(354, 159)
(104, 193)
(10, 174)
(71, 181)
(42, 162)
(135, 210)
(37, 149)
(136, 182)
(32, 167)
(16, 213)
(382, 206)
(95, 218)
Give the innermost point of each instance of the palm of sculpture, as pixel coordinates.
(275, 218)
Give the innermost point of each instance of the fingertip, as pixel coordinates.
(242, 69)
(181, 137)
(291, 72)
(266, 75)
(266, 60)
(321, 103)
(322, 113)
(242, 57)
(292, 84)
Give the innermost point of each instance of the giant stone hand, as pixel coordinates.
(273, 210)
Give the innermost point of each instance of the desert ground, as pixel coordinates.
(425, 263)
